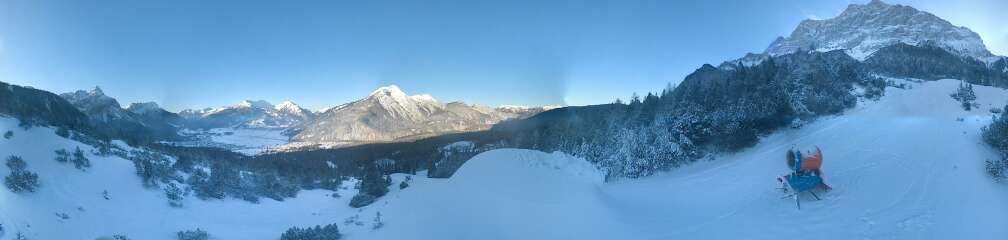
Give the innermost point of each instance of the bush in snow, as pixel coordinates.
(327, 232)
(197, 234)
(120, 237)
(362, 199)
(79, 160)
(997, 169)
(62, 155)
(16, 163)
(996, 135)
(20, 236)
(152, 167)
(20, 179)
(175, 194)
(372, 186)
(377, 223)
(9, 134)
(405, 183)
(965, 95)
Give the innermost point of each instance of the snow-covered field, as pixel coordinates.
(904, 167)
(248, 141)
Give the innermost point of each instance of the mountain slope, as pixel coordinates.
(150, 112)
(863, 29)
(38, 106)
(388, 114)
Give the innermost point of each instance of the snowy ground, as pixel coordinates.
(904, 167)
(142, 213)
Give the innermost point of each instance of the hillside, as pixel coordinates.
(144, 213)
(901, 168)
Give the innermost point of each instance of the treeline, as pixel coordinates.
(931, 62)
(712, 110)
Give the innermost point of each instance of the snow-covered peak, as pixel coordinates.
(96, 92)
(863, 29)
(290, 107)
(94, 98)
(390, 90)
(423, 98)
(286, 105)
(254, 104)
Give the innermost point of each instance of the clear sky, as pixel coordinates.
(196, 54)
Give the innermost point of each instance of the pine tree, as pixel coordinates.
(20, 179)
(80, 161)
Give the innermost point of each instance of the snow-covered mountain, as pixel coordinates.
(248, 114)
(389, 114)
(40, 107)
(863, 29)
(108, 116)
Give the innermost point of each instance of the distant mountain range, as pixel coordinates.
(388, 114)
(248, 114)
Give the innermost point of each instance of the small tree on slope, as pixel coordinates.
(996, 135)
(20, 179)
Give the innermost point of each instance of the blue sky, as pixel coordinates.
(195, 54)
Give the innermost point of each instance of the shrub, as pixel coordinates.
(965, 95)
(175, 195)
(377, 221)
(997, 169)
(62, 156)
(197, 234)
(9, 134)
(16, 163)
(20, 179)
(996, 135)
(362, 199)
(327, 232)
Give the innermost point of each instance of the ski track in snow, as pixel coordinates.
(902, 167)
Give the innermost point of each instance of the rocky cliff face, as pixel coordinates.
(863, 29)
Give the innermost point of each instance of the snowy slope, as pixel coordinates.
(901, 168)
(141, 213)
